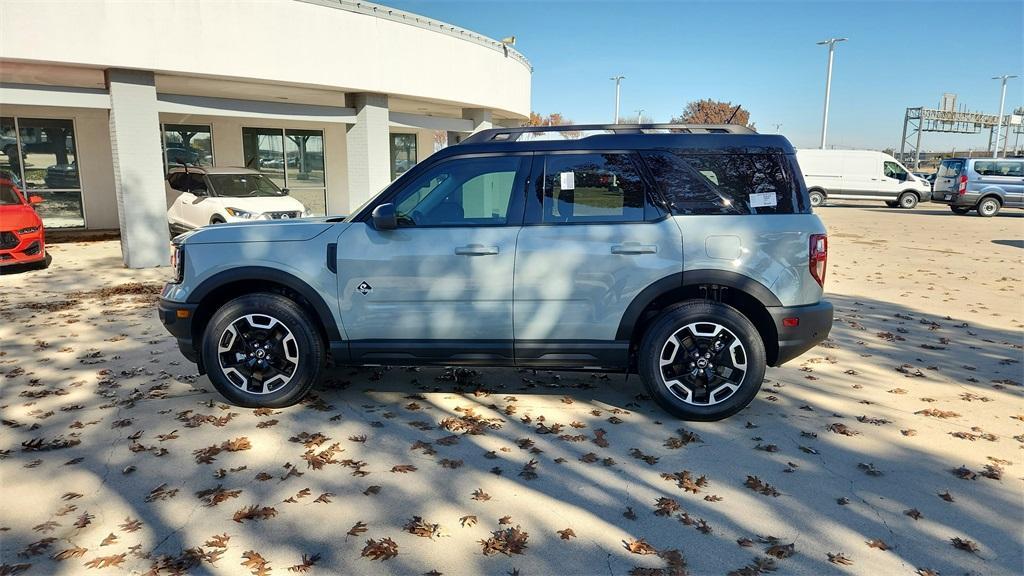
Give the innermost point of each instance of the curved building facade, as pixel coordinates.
(330, 98)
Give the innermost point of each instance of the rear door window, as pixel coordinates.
(950, 169)
(729, 183)
(591, 188)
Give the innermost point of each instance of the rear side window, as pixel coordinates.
(592, 188)
(999, 168)
(724, 183)
(950, 169)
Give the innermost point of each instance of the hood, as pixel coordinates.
(18, 216)
(259, 205)
(260, 231)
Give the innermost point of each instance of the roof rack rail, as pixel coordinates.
(513, 134)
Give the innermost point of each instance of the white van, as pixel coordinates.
(860, 175)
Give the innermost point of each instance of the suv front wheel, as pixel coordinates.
(702, 361)
(262, 350)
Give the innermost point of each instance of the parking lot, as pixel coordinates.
(892, 448)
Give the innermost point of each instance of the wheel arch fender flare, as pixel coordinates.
(272, 275)
(691, 278)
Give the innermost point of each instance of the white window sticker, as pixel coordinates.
(568, 180)
(762, 199)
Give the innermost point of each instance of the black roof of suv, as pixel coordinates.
(716, 138)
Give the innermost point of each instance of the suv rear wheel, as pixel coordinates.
(262, 350)
(989, 207)
(702, 361)
(908, 200)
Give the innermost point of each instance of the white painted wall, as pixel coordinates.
(335, 48)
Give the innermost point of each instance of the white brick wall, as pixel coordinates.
(368, 147)
(138, 169)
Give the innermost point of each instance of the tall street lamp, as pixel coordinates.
(831, 42)
(618, 80)
(1002, 100)
(640, 116)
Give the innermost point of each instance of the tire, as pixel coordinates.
(44, 263)
(817, 198)
(277, 335)
(908, 200)
(960, 209)
(891, 204)
(696, 325)
(989, 207)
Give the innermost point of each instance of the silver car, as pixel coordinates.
(690, 256)
(984, 184)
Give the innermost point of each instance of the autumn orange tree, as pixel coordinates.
(713, 112)
(553, 119)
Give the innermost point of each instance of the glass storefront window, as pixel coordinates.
(190, 144)
(42, 153)
(403, 153)
(293, 159)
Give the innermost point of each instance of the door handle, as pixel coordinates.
(476, 250)
(634, 248)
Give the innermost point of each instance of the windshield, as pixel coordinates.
(243, 185)
(8, 197)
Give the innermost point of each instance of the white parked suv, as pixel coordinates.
(199, 196)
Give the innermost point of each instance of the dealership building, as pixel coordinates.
(331, 99)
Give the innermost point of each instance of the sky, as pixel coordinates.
(762, 55)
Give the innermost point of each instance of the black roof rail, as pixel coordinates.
(513, 134)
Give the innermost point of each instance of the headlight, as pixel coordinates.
(28, 230)
(178, 264)
(239, 213)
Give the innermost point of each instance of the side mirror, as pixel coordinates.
(385, 217)
(35, 199)
(285, 191)
(199, 192)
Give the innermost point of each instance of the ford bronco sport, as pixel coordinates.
(686, 253)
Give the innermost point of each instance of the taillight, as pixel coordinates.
(962, 187)
(817, 257)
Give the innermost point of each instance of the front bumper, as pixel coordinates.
(30, 248)
(177, 319)
(815, 322)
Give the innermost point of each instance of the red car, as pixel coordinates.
(21, 230)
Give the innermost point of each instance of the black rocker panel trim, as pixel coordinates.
(555, 354)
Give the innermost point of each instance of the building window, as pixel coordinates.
(293, 159)
(403, 153)
(190, 144)
(42, 154)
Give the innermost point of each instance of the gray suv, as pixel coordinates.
(983, 184)
(687, 254)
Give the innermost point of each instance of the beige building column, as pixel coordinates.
(367, 147)
(138, 168)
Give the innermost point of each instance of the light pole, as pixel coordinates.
(640, 116)
(777, 127)
(618, 80)
(831, 42)
(1002, 100)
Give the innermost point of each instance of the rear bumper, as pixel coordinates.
(177, 319)
(814, 324)
(954, 198)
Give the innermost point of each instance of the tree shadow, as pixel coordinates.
(876, 348)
